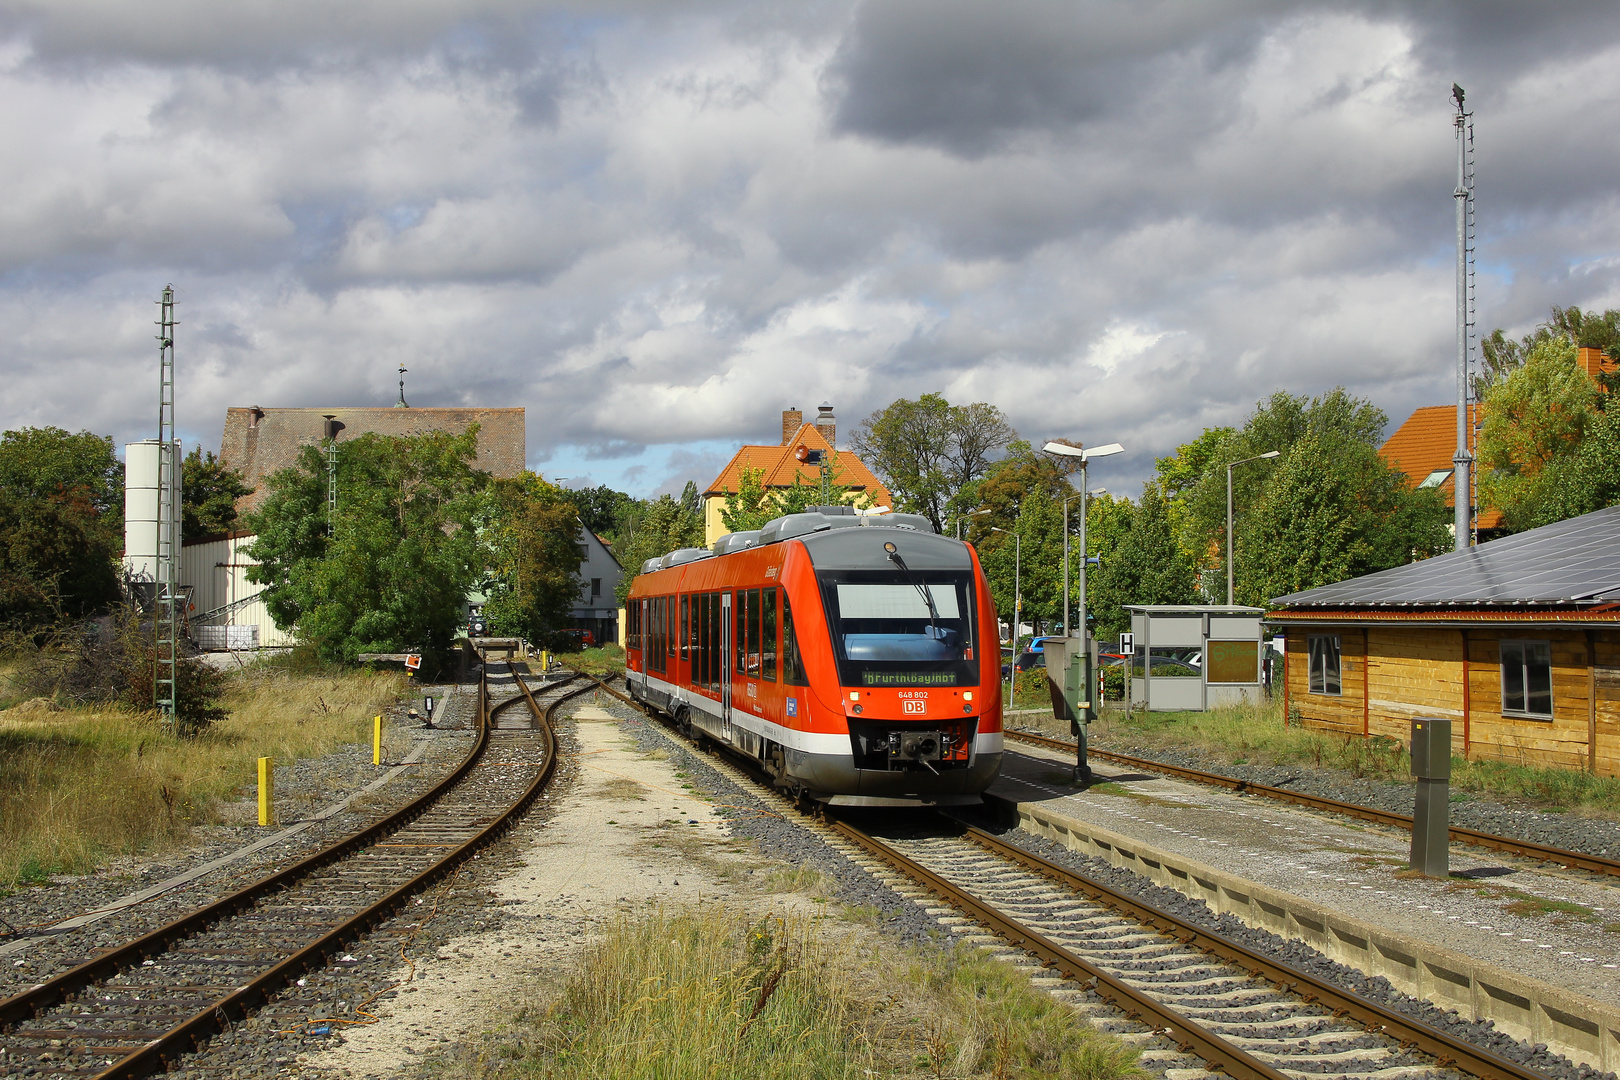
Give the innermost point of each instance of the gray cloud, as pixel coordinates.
(658, 225)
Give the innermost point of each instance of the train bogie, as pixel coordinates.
(856, 661)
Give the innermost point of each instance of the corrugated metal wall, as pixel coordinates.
(216, 571)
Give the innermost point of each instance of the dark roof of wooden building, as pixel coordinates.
(1574, 562)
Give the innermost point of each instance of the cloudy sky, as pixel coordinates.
(658, 224)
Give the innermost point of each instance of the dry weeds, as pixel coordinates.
(79, 785)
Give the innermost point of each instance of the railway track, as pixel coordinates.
(135, 1010)
(1575, 860)
(1222, 1006)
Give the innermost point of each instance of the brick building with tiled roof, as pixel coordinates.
(783, 469)
(258, 442)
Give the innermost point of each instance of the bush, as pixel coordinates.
(109, 661)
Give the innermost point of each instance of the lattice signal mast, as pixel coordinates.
(1462, 463)
(166, 616)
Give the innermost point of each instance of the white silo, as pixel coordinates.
(142, 467)
(151, 512)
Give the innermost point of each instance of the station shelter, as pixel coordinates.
(1193, 657)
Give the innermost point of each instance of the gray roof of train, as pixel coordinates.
(862, 549)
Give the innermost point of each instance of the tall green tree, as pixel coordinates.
(1145, 564)
(1534, 418)
(605, 511)
(1500, 355)
(927, 451)
(401, 555)
(1333, 510)
(667, 525)
(1194, 479)
(532, 532)
(208, 492)
(61, 525)
(1109, 522)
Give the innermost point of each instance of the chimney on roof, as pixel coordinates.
(255, 414)
(827, 424)
(792, 420)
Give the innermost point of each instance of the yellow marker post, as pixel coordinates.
(376, 741)
(267, 790)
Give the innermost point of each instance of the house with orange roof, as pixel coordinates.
(784, 467)
(1424, 445)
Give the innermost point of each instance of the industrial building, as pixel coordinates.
(225, 609)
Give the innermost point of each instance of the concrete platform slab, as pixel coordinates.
(1535, 950)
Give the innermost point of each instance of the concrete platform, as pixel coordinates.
(1535, 949)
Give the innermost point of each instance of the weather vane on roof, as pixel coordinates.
(400, 404)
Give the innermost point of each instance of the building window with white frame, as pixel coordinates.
(1527, 679)
(1324, 649)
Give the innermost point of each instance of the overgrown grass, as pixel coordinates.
(1255, 734)
(79, 785)
(603, 660)
(717, 994)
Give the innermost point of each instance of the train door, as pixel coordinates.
(726, 631)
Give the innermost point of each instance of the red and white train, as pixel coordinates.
(857, 659)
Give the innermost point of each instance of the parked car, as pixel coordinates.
(477, 626)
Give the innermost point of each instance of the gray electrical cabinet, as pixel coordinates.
(1431, 809)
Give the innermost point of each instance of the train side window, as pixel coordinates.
(698, 613)
(672, 628)
(705, 640)
(655, 653)
(767, 649)
(1324, 649)
(792, 662)
(711, 639)
(755, 646)
(686, 633)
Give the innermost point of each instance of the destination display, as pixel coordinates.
(908, 678)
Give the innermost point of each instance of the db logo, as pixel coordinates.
(915, 706)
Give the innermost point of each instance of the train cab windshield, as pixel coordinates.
(913, 630)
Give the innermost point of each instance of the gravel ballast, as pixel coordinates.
(1571, 831)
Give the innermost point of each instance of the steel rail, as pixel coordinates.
(1190, 1037)
(155, 1054)
(1575, 860)
(1448, 1051)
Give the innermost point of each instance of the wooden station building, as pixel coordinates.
(1516, 641)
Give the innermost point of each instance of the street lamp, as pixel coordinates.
(1068, 626)
(970, 513)
(1085, 456)
(1229, 468)
(1018, 602)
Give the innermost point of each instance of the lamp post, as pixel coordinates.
(1085, 456)
(1018, 603)
(1068, 625)
(970, 513)
(1229, 468)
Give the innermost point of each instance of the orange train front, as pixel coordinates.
(857, 659)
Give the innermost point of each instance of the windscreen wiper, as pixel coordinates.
(928, 597)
